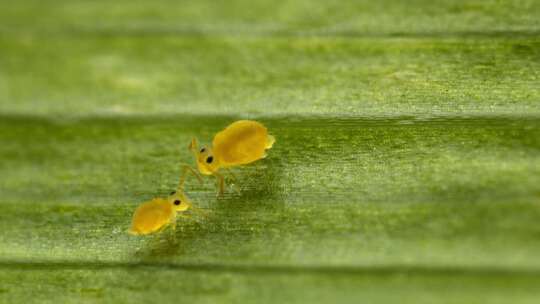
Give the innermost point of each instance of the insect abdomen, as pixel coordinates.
(241, 143)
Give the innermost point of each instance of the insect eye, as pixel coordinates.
(203, 149)
(173, 193)
(177, 202)
(209, 159)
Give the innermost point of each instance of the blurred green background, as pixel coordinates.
(406, 167)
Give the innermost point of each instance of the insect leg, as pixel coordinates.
(229, 171)
(221, 183)
(173, 228)
(193, 146)
(185, 171)
(233, 177)
(199, 211)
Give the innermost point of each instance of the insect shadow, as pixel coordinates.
(253, 187)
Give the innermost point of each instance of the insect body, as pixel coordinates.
(241, 143)
(158, 213)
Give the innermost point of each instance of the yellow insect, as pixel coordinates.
(158, 213)
(241, 143)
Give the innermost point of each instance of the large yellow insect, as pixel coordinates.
(158, 213)
(241, 143)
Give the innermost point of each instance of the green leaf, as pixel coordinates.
(406, 167)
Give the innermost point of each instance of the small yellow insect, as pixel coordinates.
(158, 213)
(242, 142)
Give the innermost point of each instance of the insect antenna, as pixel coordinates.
(187, 169)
